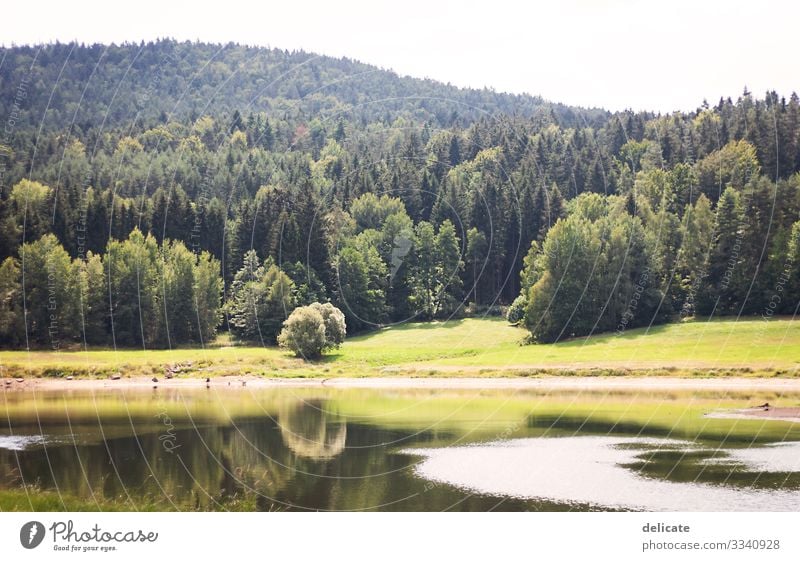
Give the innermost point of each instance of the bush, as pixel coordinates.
(304, 332)
(335, 326)
(309, 330)
(516, 311)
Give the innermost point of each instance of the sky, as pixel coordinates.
(616, 54)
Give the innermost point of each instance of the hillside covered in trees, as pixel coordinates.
(154, 194)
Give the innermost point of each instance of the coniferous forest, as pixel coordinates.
(157, 194)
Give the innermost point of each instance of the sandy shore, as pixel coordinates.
(768, 413)
(588, 383)
(774, 412)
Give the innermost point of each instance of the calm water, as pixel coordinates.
(355, 449)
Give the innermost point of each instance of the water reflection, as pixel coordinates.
(320, 449)
(310, 431)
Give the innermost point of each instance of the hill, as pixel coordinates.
(77, 84)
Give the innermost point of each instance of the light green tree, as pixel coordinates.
(51, 290)
(304, 333)
(335, 324)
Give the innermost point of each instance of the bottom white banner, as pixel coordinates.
(355, 536)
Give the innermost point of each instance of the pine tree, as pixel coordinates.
(476, 264)
(12, 326)
(718, 293)
(262, 297)
(697, 230)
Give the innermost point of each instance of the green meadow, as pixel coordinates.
(465, 347)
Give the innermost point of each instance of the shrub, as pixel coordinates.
(304, 332)
(516, 311)
(335, 326)
(309, 330)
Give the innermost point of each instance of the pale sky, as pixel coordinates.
(614, 54)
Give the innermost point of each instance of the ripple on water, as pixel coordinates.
(587, 469)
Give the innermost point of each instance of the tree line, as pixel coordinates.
(618, 262)
(140, 292)
(137, 294)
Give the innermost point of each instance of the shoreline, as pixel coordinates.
(791, 414)
(578, 383)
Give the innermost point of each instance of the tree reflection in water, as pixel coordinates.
(310, 431)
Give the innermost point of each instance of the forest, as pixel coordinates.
(158, 194)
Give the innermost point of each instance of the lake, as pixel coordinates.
(293, 448)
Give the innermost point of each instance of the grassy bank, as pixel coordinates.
(468, 347)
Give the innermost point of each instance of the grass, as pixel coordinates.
(751, 343)
(216, 360)
(487, 347)
(491, 346)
